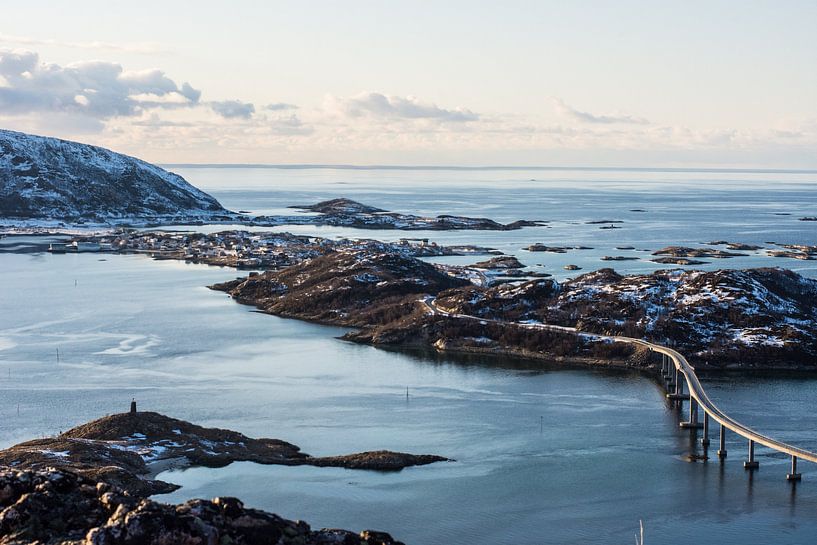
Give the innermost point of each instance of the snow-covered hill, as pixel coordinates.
(45, 178)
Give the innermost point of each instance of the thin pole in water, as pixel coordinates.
(406, 393)
(58, 355)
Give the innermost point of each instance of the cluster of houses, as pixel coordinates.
(240, 249)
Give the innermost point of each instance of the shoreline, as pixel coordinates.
(770, 365)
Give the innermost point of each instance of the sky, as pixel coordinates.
(626, 83)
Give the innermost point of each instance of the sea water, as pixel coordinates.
(543, 454)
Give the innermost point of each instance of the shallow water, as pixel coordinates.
(543, 454)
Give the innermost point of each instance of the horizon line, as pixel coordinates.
(331, 166)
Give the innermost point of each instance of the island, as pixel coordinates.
(684, 252)
(129, 449)
(90, 485)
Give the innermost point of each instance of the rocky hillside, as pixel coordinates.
(52, 506)
(757, 318)
(354, 287)
(748, 318)
(48, 178)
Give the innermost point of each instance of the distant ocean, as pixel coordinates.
(544, 455)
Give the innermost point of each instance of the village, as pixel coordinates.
(249, 250)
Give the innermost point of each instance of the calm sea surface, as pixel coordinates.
(544, 455)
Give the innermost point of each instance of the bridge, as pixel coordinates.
(675, 372)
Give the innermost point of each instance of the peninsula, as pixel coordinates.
(727, 319)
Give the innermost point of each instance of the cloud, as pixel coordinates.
(231, 109)
(381, 106)
(155, 122)
(147, 48)
(587, 117)
(98, 89)
(278, 106)
(289, 126)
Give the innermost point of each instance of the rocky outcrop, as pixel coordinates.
(685, 261)
(51, 506)
(354, 287)
(500, 263)
(349, 213)
(123, 449)
(380, 460)
(805, 252)
(619, 258)
(52, 179)
(755, 318)
(683, 251)
(538, 247)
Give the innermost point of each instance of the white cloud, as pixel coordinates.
(107, 90)
(587, 117)
(379, 106)
(149, 113)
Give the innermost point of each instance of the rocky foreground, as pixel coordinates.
(757, 318)
(52, 506)
(125, 449)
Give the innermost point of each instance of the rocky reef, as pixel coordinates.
(126, 449)
(683, 251)
(52, 506)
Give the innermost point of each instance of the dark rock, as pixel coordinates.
(683, 251)
(620, 258)
(502, 262)
(554, 249)
(380, 460)
(52, 506)
(678, 261)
